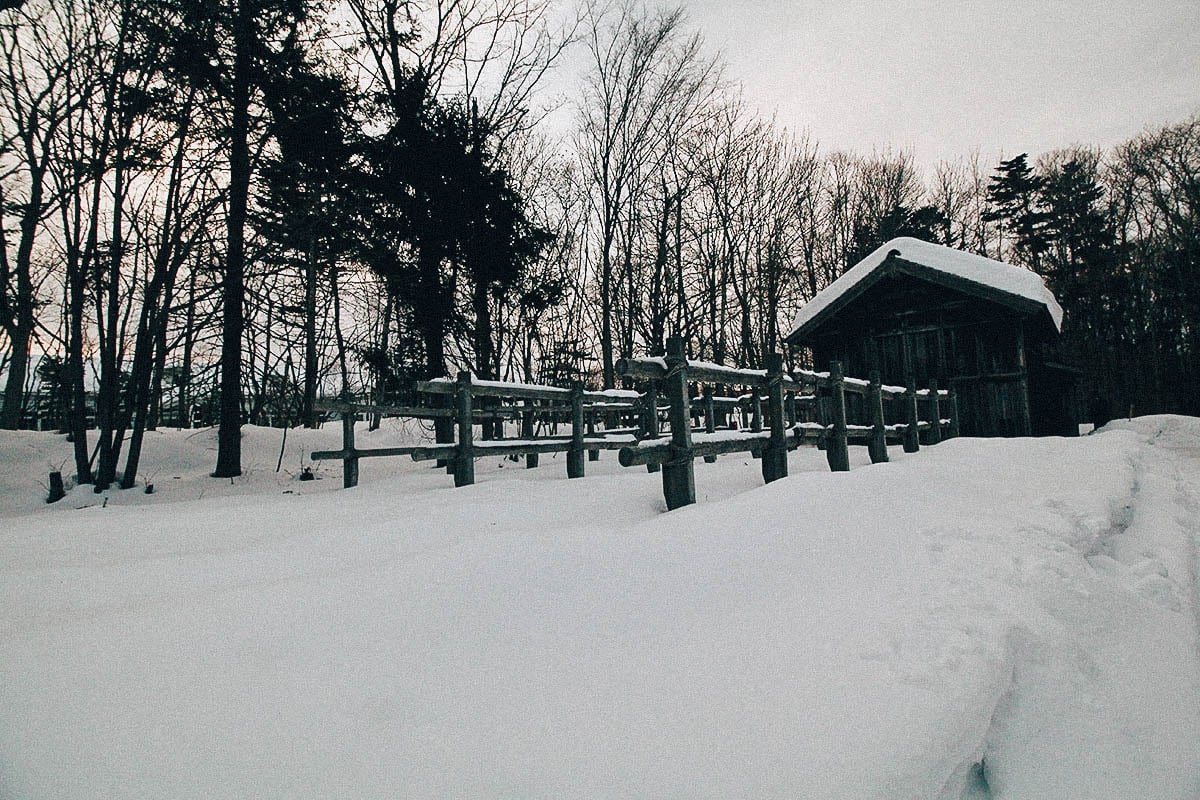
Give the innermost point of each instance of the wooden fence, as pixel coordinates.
(772, 412)
(782, 431)
(580, 408)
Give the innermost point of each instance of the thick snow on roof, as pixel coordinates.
(968, 266)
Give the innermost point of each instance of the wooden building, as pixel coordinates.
(918, 311)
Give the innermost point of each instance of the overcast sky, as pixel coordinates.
(944, 78)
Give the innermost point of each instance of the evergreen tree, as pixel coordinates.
(1012, 197)
(306, 207)
(1080, 242)
(230, 50)
(925, 222)
(445, 217)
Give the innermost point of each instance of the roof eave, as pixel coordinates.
(885, 268)
(894, 264)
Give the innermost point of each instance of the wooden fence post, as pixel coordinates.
(679, 480)
(575, 454)
(954, 430)
(789, 405)
(650, 418)
(878, 444)
(57, 491)
(464, 459)
(912, 433)
(593, 455)
(710, 423)
(821, 411)
(838, 453)
(350, 459)
(935, 413)
(527, 423)
(774, 460)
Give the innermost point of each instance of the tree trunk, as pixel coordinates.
(185, 369)
(430, 316)
(308, 410)
(108, 321)
(20, 332)
(338, 338)
(483, 330)
(229, 434)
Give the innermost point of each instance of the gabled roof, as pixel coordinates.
(956, 269)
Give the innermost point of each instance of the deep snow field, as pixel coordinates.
(983, 619)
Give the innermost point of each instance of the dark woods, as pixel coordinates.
(219, 212)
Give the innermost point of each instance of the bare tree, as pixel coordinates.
(642, 68)
(37, 96)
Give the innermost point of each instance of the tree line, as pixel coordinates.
(221, 210)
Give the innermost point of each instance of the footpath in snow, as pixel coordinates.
(983, 619)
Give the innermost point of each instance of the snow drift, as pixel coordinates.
(985, 618)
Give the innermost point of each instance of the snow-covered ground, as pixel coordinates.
(986, 618)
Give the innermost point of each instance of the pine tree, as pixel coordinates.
(230, 50)
(925, 222)
(445, 217)
(306, 207)
(1080, 241)
(1012, 198)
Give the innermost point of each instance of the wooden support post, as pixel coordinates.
(498, 423)
(575, 454)
(57, 490)
(527, 431)
(679, 480)
(1025, 420)
(774, 457)
(710, 422)
(593, 455)
(464, 460)
(934, 407)
(789, 406)
(838, 452)
(821, 410)
(954, 430)
(912, 433)
(350, 460)
(650, 418)
(878, 445)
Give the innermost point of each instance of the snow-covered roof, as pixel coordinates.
(996, 276)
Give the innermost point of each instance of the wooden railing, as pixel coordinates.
(675, 455)
(782, 431)
(772, 408)
(579, 406)
(463, 453)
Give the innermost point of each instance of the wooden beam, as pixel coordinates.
(464, 459)
(837, 452)
(679, 481)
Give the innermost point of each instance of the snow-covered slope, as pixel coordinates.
(986, 618)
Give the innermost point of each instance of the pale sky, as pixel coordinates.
(944, 78)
